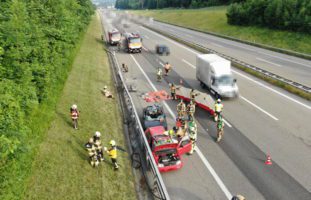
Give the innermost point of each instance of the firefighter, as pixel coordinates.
(220, 128)
(218, 109)
(190, 110)
(98, 145)
(193, 94)
(112, 151)
(159, 74)
(181, 109)
(167, 68)
(90, 146)
(74, 115)
(193, 130)
(238, 197)
(173, 91)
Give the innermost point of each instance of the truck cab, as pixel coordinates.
(133, 42)
(114, 37)
(214, 72)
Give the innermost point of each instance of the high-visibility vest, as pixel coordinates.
(113, 152)
(74, 114)
(218, 107)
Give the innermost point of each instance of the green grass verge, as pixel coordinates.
(60, 169)
(214, 20)
(275, 82)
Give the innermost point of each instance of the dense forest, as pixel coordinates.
(154, 4)
(292, 15)
(37, 40)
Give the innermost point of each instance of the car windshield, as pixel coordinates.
(224, 80)
(116, 36)
(154, 112)
(162, 139)
(134, 40)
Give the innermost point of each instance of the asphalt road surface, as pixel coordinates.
(290, 67)
(263, 120)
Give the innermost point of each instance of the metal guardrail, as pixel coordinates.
(142, 148)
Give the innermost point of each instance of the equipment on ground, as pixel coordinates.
(214, 73)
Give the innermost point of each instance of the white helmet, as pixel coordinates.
(74, 106)
(97, 134)
(112, 143)
(218, 100)
(105, 87)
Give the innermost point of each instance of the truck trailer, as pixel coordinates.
(214, 73)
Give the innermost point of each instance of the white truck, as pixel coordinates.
(214, 72)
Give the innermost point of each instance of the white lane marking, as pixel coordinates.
(285, 59)
(145, 36)
(188, 35)
(172, 41)
(204, 160)
(247, 77)
(144, 48)
(263, 60)
(226, 122)
(262, 110)
(191, 65)
(215, 44)
(273, 90)
(161, 64)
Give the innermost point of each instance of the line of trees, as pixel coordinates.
(37, 39)
(292, 15)
(153, 4)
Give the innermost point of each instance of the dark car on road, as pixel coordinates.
(154, 116)
(162, 50)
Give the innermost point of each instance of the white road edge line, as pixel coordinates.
(262, 110)
(263, 60)
(200, 154)
(226, 122)
(273, 90)
(218, 45)
(284, 59)
(261, 84)
(191, 65)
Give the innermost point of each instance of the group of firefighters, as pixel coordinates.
(94, 145)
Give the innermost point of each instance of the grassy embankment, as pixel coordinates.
(214, 20)
(61, 169)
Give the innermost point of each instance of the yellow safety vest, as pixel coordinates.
(218, 107)
(113, 152)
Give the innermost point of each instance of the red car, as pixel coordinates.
(166, 150)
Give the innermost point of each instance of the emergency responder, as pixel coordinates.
(238, 197)
(98, 145)
(181, 109)
(159, 74)
(167, 68)
(193, 94)
(173, 91)
(74, 115)
(218, 109)
(220, 128)
(112, 151)
(193, 130)
(90, 146)
(190, 110)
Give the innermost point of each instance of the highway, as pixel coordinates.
(290, 67)
(263, 120)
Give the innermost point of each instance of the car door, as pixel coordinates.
(184, 146)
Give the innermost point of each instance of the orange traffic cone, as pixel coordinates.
(268, 161)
